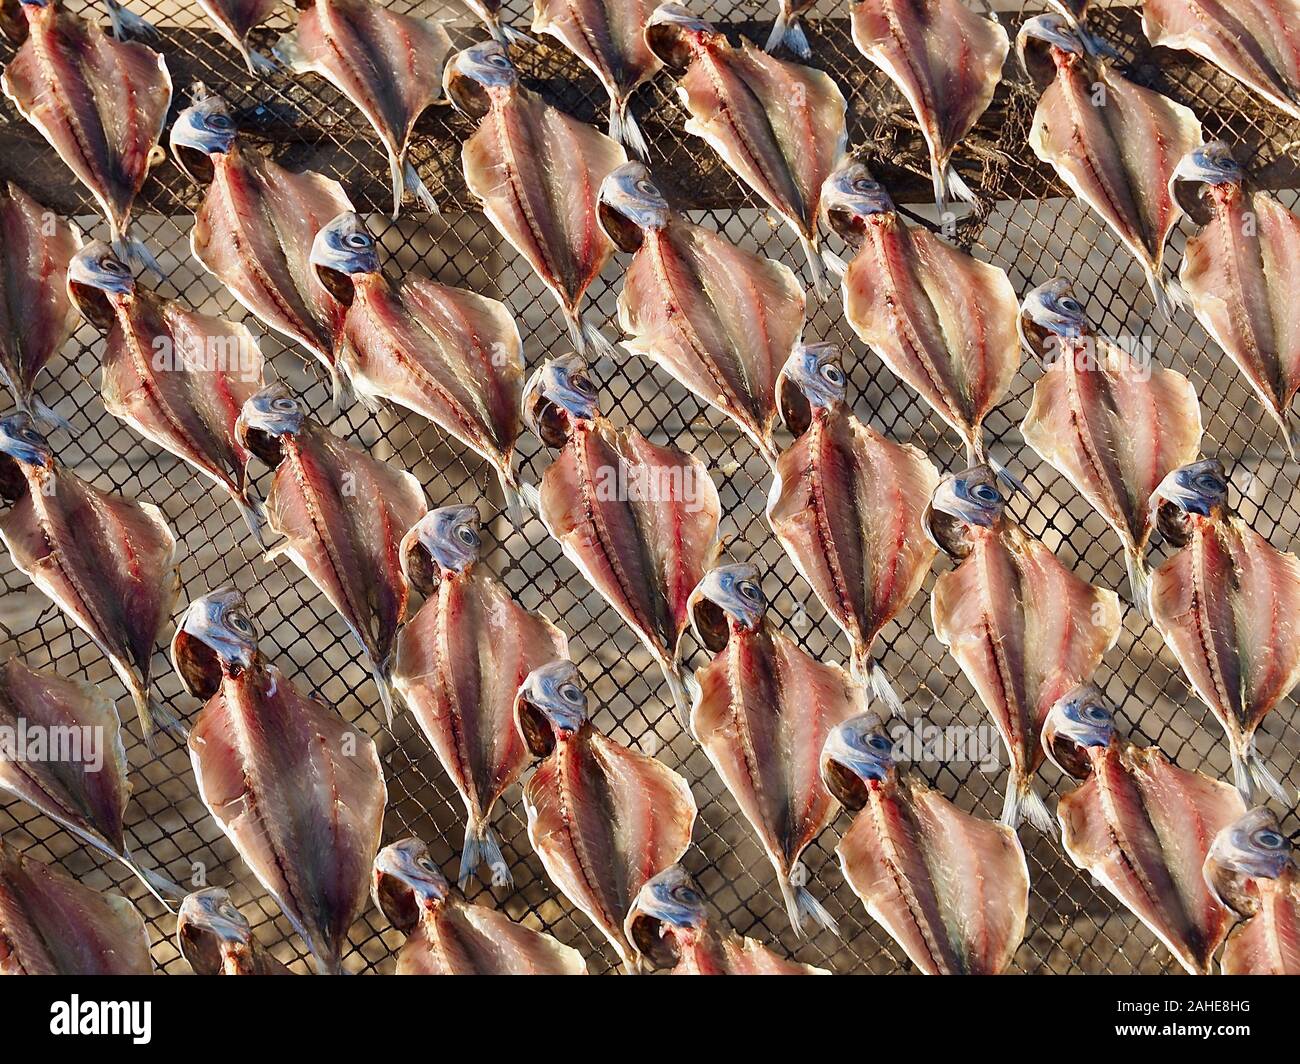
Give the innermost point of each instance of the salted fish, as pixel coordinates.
(52, 925)
(603, 819)
(452, 356)
(298, 791)
(1256, 41)
(1023, 627)
(780, 127)
(108, 562)
(1116, 144)
(215, 937)
(1242, 276)
(446, 935)
(36, 316)
(255, 227)
(1252, 869)
(235, 20)
(609, 37)
(761, 711)
(671, 927)
(458, 663)
(536, 171)
(1115, 423)
(719, 319)
(639, 520)
(342, 514)
(952, 889)
(179, 378)
(100, 103)
(1227, 603)
(942, 321)
(947, 62)
(847, 504)
(1141, 825)
(388, 64)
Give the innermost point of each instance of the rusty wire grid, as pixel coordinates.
(1027, 223)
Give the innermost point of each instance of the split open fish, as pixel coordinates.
(1227, 603)
(446, 935)
(639, 520)
(298, 791)
(762, 710)
(1141, 825)
(215, 937)
(952, 889)
(108, 562)
(719, 319)
(235, 20)
(603, 819)
(1023, 627)
(536, 171)
(848, 504)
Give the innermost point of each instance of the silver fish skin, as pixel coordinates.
(298, 791)
(235, 20)
(214, 937)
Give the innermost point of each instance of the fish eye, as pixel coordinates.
(880, 743)
(1268, 839)
(239, 622)
(285, 405)
(1071, 305)
(750, 590)
(499, 61)
(228, 911)
(426, 863)
(571, 694)
(686, 895)
(467, 535)
(582, 385)
(986, 493)
(220, 121)
(1096, 713)
(360, 241)
(645, 187)
(833, 373)
(1210, 484)
(110, 265)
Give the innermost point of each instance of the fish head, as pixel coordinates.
(1080, 720)
(667, 909)
(445, 540)
(478, 75)
(406, 883)
(215, 638)
(97, 281)
(673, 34)
(729, 598)
(857, 753)
(550, 706)
(267, 417)
(1203, 175)
(812, 378)
(1044, 43)
(1050, 315)
(851, 197)
(559, 393)
(204, 129)
(629, 204)
(341, 251)
(1198, 491)
(1249, 849)
(22, 448)
(963, 502)
(213, 935)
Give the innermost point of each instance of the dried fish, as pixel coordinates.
(719, 319)
(640, 521)
(788, 29)
(1023, 627)
(951, 889)
(670, 927)
(459, 662)
(108, 562)
(448, 936)
(536, 170)
(762, 711)
(603, 819)
(235, 19)
(216, 939)
(297, 790)
(125, 23)
(847, 505)
(1228, 605)
(177, 377)
(779, 126)
(1141, 825)
(489, 11)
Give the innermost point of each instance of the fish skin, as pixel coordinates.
(96, 77)
(52, 925)
(389, 65)
(947, 62)
(1142, 827)
(215, 939)
(36, 316)
(235, 19)
(1257, 42)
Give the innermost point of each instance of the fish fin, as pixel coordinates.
(815, 268)
(155, 717)
(530, 496)
(1139, 582)
(584, 335)
(835, 264)
(416, 186)
(136, 254)
(1024, 803)
(507, 35)
(126, 23)
(156, 883)
(882, 690)
(483, 847)
(254, 516)
(955, 187)
(290, 53)
(624, 129)
(342, 394)
(788, 31)
(1168, 295)
(1005, 475)
(47, 417)
(1251, 774)
(380, 675)
(677, 688)
(259, 63)
(802, 906)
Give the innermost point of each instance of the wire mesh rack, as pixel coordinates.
(1026, 223)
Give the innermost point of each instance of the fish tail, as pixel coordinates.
(259, 63)
(1023, 803)
(156, 883)
(1139, 581)
(1252, 774)
(789, 31)
(835, 264)
(380, 675)
(254, 516)
(810, 250)
(126, 23)
(289, 52)
(624, 129)
(155, 717)
(135, 253)
(677, 688)
(881, 689)
(416, 186)
(507, 35)
(46, 416)
(954, 187)
(586, 335)
(482, 847)
(1168, 295)
(1005, 475)
(802, 907)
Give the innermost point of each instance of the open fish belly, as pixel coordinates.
(1143, 827)
(729, 954)
(607, 35)
(720, 320)
(464, 939)
(1268, 943)
(950, 888)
